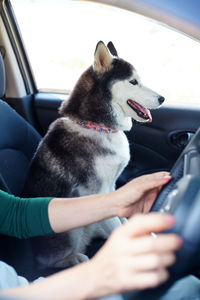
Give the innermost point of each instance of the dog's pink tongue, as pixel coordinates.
(142, 109)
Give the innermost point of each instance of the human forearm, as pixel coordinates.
(136, 196)
(69, 213)
(63, 285)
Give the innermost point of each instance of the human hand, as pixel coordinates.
(138, 195)
(132, 259)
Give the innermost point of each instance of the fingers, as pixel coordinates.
(140, 224)
(153, 261)
(143, 280)
(150, 279)
(160, 174)
(154, 180)
(163, 243)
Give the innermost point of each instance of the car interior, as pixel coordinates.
(171, 142)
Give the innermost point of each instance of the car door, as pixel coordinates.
(47, 82)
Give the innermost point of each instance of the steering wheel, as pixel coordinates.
(188, 163)
(181, 198)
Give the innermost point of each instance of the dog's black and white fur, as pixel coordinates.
(74, 161)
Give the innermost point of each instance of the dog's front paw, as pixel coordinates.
(71, 260)
(104, 228)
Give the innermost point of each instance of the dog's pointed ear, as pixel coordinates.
(102, 58)
(112, 49)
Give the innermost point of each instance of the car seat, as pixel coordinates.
(18, 142)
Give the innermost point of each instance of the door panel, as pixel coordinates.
(151, 145)
(46, 109)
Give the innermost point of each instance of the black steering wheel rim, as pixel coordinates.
(188, 163)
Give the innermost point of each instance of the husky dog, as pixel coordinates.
(85, 150)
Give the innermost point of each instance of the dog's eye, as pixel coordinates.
(134, 82)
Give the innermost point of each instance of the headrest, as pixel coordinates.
(2, 77)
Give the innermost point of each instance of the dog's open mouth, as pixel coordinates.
(140, 110)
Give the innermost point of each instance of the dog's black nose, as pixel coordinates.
(161, 99)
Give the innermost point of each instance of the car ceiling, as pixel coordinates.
(182, 15)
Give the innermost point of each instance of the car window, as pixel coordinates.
(60, 38)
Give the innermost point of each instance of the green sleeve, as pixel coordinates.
(24, 217)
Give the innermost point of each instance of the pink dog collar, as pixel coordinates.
(96, 127)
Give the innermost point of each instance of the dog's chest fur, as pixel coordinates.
(110, 166)
(106, 155)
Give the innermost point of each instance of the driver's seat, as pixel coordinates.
(18, 142)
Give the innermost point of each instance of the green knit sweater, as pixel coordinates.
(24, 217)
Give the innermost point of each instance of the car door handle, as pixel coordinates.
(181, 138)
